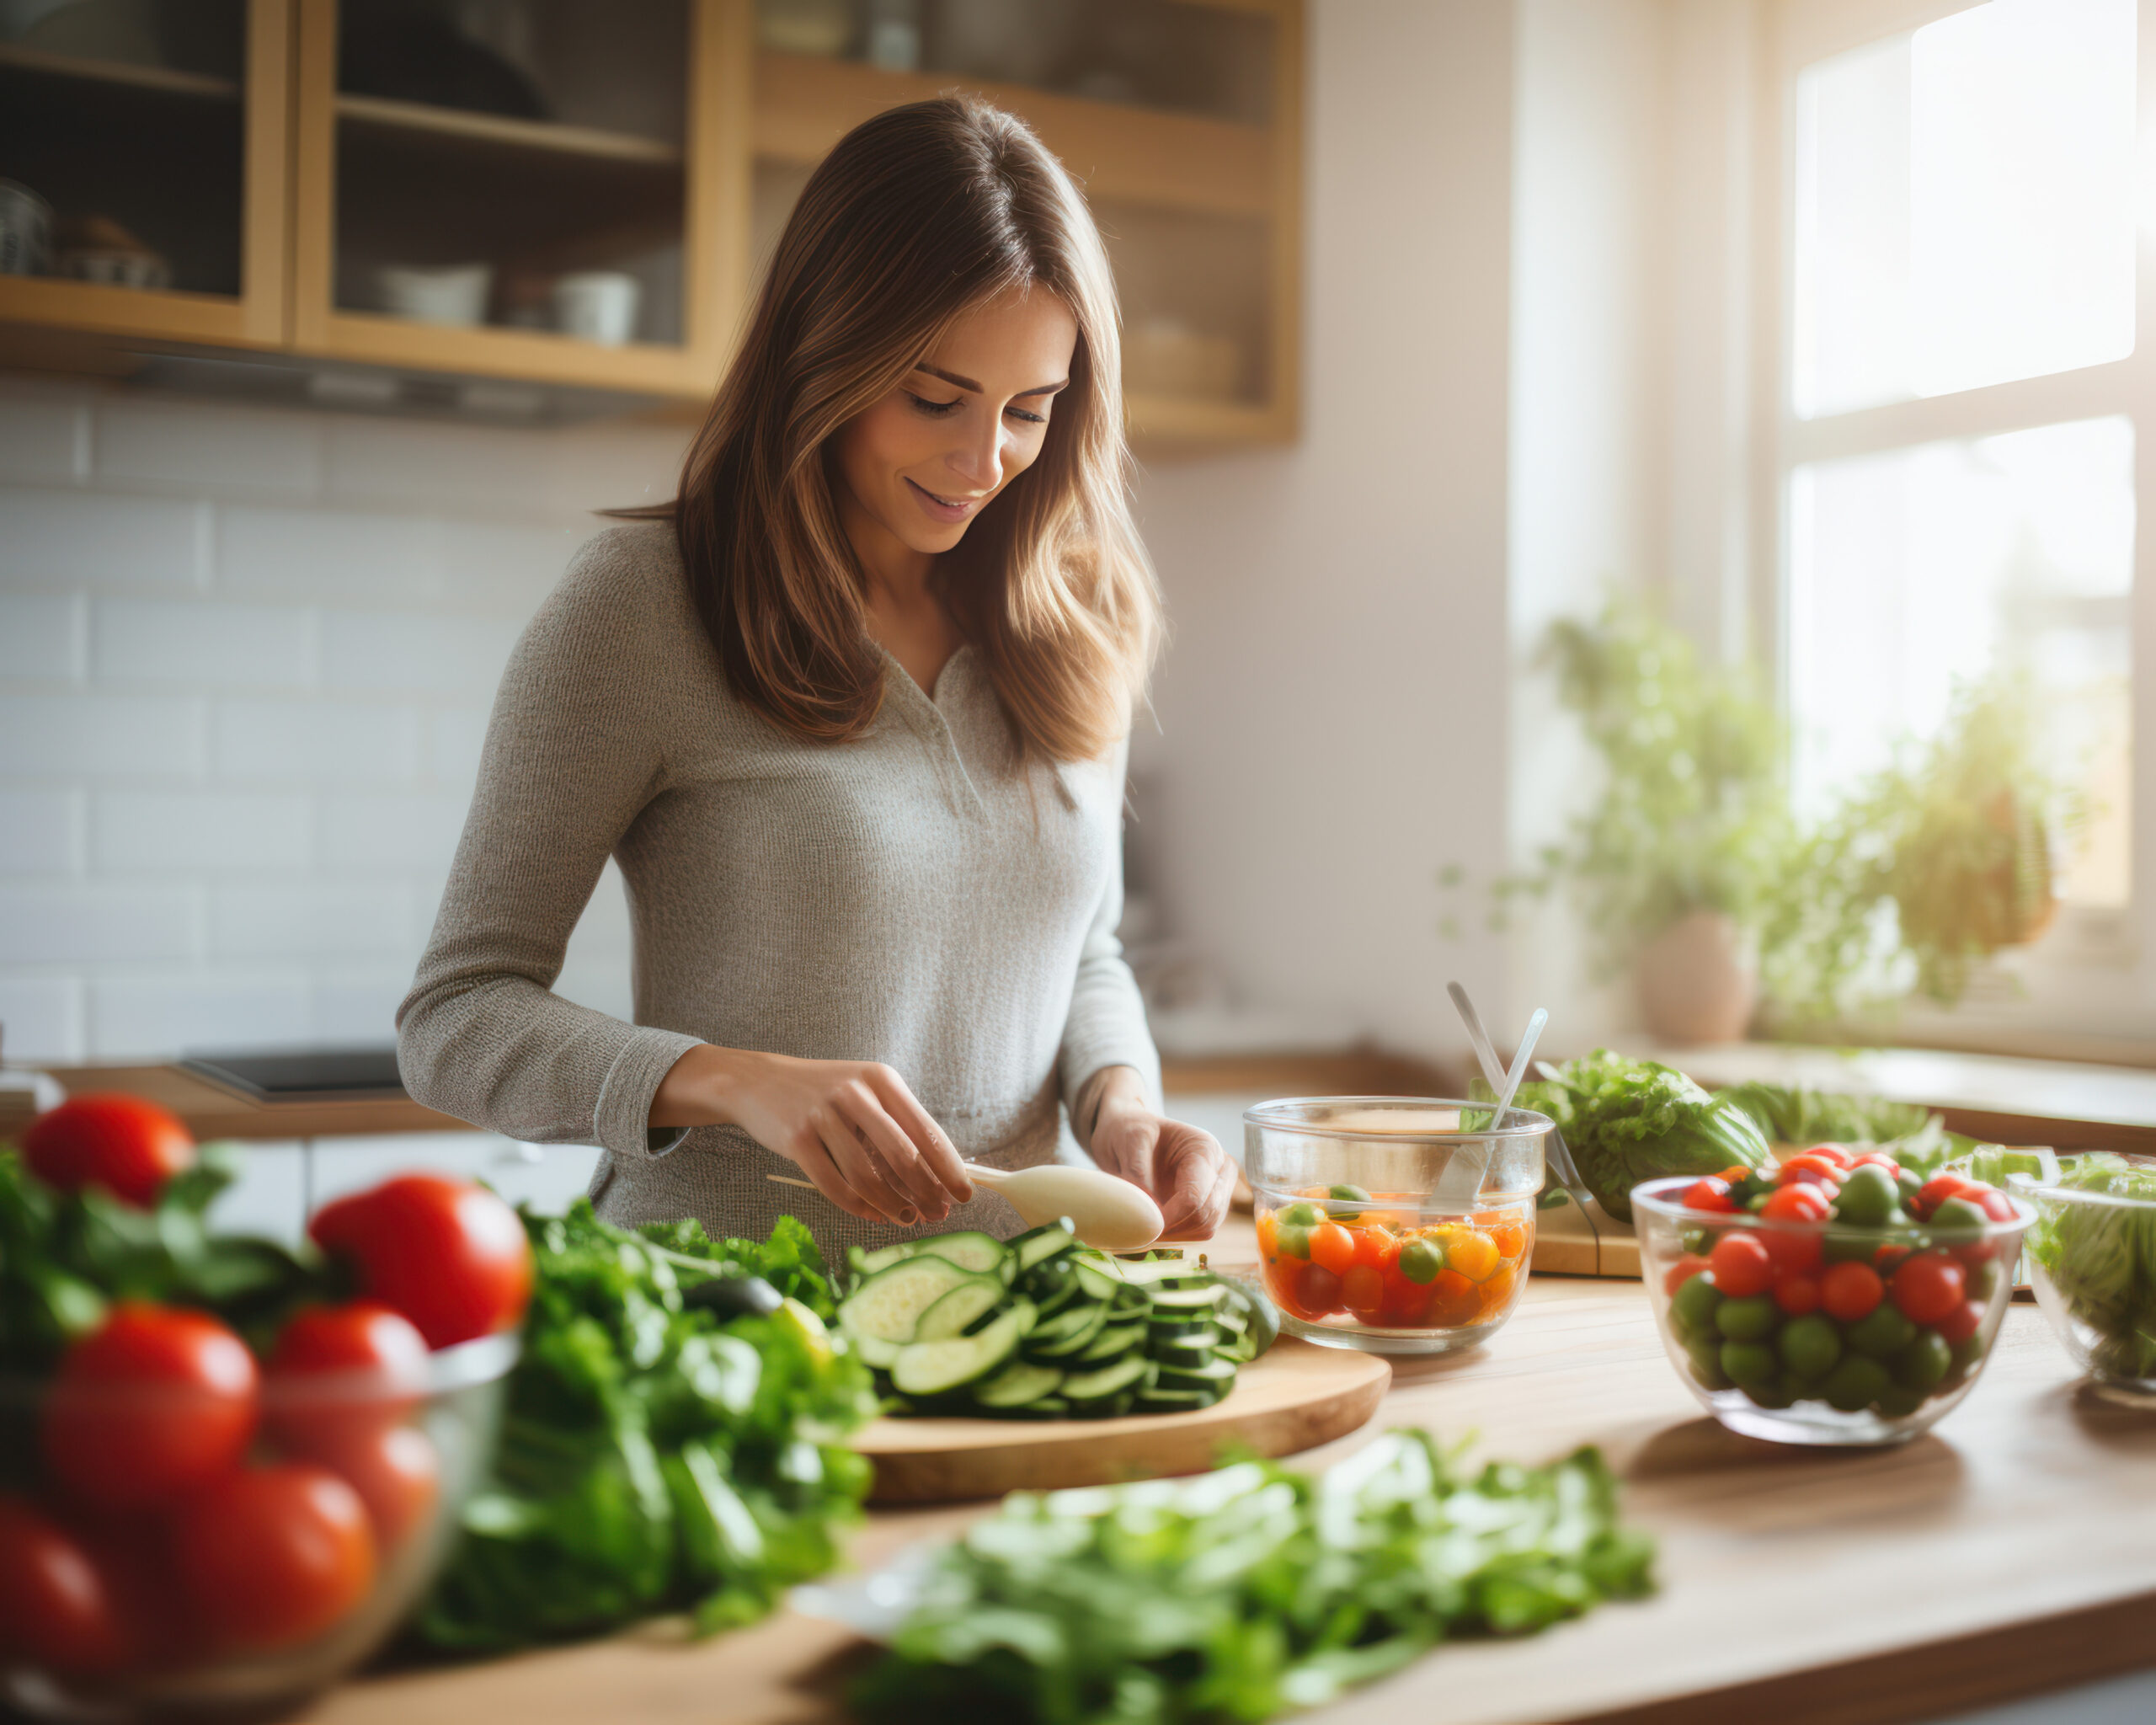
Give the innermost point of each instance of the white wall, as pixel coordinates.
(1333, 706)
(245, 659)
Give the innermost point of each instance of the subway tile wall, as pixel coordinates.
(245, 659)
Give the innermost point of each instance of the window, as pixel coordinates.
(1963, 409)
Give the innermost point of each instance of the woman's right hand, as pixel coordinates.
(851, 1126)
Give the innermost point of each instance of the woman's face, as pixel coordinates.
(921, 463)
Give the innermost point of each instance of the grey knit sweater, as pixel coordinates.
(913, 897)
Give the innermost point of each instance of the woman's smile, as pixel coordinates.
(949, 510)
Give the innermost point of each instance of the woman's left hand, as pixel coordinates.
(1184, 1169)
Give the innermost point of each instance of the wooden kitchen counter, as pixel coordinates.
(2012, 1551)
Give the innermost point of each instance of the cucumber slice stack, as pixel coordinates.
(1041, 1328)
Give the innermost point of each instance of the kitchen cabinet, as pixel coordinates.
(486, 196)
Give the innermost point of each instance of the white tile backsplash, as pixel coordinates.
(292, 624)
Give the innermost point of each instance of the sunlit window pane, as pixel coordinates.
(1915, 570)
(1965, 204)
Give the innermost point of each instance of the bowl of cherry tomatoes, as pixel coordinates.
(229, 1470)
(1839, 1299)
(1395, 1225)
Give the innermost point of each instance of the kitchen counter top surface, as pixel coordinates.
(2010, 1552)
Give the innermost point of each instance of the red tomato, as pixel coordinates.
(1876, 1159)
(273, 1556)
(153, 1403)
(1927, 1287)
(1741, 1265)
(1375, 1248)
(397, 1473)
(55, 1607)
(1679, 1273)
(1319, 1290)
(1935, 1192)
(1333, 1246)
(1362, 1290)
(1816, 1170)
(1888, 1258)
(1833, 1153)
(1793, 1249)
(450, 1255)
(1709, 1194)
(129, 1146)
(1453, 1300)
(1848, 1290)
(341, 1369)
(1961, 1323)
(1796, 1204)
(1994, 1203)
(1407, 1304)
(1796, 1292)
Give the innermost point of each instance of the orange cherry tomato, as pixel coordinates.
(1509, 1238)
(1497, 1292)
(1375, 1249)
(1742, 1266)
(1849, 1291)
(1682, 1272)
(1453, 1300)
(1268, 1232)
(1332, 1247)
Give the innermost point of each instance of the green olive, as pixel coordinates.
(1868, 1196)
(1747, 1319)
(1924, 1363)
(1898, 1402)
(1301, 1216)
(1810, 1345)
(1882, 1332)
(1696, 1302)
(1421, 1259)
(1750, 1363)
(1856, 1383)
(1773, 1392)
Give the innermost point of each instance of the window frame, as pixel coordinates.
(2088, 985)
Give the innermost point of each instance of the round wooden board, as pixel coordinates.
(1297, 1396)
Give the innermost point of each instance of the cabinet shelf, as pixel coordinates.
(1122, 153)
(383, 115)
(162, 80)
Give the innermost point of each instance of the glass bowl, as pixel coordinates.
(1811, 1376)
(141, 1641)
(1396, 1225)
(2091, 1257)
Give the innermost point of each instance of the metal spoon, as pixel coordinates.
(1461, 1181)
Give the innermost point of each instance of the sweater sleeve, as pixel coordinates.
(1107, 1026)
(574, 753)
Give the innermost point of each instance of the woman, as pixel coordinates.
(850, 713)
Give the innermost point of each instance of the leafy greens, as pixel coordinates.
(1235, 1594)
(2102, 1258)
(1795, 1115)
(1626, 1121)
(661, 1450)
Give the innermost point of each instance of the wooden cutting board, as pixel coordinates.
(1296, 1395)
(1567, 1243)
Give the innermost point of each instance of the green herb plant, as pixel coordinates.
(1240, 1592)
(658, 1452)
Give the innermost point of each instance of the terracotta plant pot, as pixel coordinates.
(1698, 981)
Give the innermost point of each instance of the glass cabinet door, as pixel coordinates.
(529, 187)
(143, 156)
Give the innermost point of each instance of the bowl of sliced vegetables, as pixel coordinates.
(2091, 1257)
(1395, 1225)
(1840, 1299)
(1041, 1328)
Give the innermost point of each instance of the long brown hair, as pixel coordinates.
(916, 217)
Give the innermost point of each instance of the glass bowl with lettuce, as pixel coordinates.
(2091, 1257)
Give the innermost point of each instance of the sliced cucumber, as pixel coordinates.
(1074, 1331)
(1113, 1341)
(1053, 1286)
(937, 1368)
(1038, 1245)
(1221, 1372)
(1261, 1315)
(1097, 1284)
(1018, 1385)
(875, 1351)
(1201, 1298)
(1158, 1401)
(1129, 1373)
(981, 1253)
(1048, 1408)
(1193, 1345)
(865, 1264)
(957, 1311)
(1155, 1273)
(888, 1304)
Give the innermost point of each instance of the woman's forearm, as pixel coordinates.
(702, 1087)
(1109, 1089)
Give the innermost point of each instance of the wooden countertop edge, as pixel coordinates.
(1925, 1680)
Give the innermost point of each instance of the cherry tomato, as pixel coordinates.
(1497, 1292)
(1810, 1167)
(338, 1369)
(1318, 1291)
(1283, 1282)
(1453, 1300)
(1995, 1204)
(1927, 1287)
(1375, 1249)
(1406, 1304)
(1793, 1248)
(397, 1474)
(151, 1404)
(129, 1146)
(1849, 1291)
(1474, 1255)
(1935, 1192)
(1332, 1247)
(56, 1606)
(450, 1255)
(1833, 1153)
(1268, 1231)
(1362, 1290)
(1961, 1323)
(1510, 1239)
(1796, 1204)
(1710, 1192)
(1876, 1159)
(273, 1556)
(1796, 1292)
(1741, 1265)
(1679, 1273)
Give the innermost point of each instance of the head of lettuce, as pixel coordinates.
(1626, 1121)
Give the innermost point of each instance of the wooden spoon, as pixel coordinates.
(1109, 1213)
